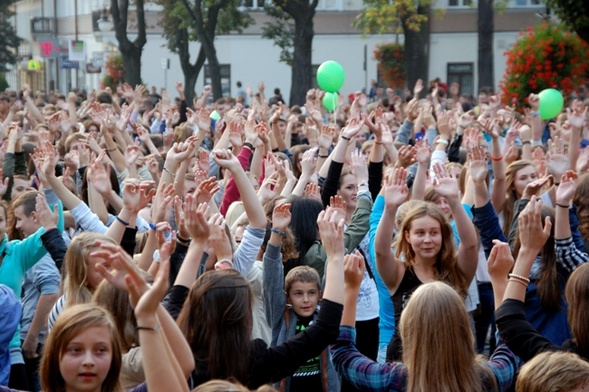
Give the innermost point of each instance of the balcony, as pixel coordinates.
(42, 26)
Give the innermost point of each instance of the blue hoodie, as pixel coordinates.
(10, 312)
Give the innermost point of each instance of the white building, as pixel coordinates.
(248, 58)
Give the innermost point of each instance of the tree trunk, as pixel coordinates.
(130, 51)
(485, 54)
(416, 50)
(190, 71)
(302, 62)
(132, 63)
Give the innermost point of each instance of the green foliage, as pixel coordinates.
(385, 16)
(3, 82)
(176, 17)
(574, 13)
(9, 41)
(546, 56)
(281, 30)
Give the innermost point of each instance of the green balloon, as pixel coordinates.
(330, 76)
(330, 101)
(551, 103)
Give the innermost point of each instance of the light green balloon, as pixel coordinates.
(330, 76)
(330, 101)
(551, 103)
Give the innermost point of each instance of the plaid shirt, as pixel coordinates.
(367, 375)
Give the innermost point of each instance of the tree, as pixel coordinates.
(130, 50)
(486, 26)
(203, 20)
(302, 31)
(574, 13)
(9, 41)
(407, 16)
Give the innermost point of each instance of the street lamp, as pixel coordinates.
(104, 23)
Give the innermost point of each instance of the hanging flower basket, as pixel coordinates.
(391, 64)
(545, 56)
(115, 72)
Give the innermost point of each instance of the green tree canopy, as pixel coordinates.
(575, 13)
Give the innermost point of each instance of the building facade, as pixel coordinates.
(247, 57)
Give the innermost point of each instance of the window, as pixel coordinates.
(225, 78)
(253, 4)
(459, 3)
(526, 3)
(463, 74)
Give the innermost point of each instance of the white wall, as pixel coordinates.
(254, 59)
(463, 47)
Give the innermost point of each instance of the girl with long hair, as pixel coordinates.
(438, 345)
(425, 242)
(216, 315)
(79, 276)
(545, 307)
(518, 331)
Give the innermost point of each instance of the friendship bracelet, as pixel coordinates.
(273, 230)
(442, 141)
(526, 142)
(122, 221)
(375, 142)
(109, 150)
(497, 159)
(522, 278)
(518, 281)
(562, 206)
(345, 138)
(157, 328)
(323, 156)
(249, 145)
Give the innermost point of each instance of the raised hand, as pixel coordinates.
(338, 207)
(444, 184)
(359, 166)
(500, 260)
(137, 194)
(45, 216)
(406, 156)
(161, 206)
(478, 167)
(206, 189)
(281, 216)
(226, 159)
(531, 233)
(396, 191)
(195, 218)
(354, 269)
(99, 177)
(567, 187)
(331, 231)
(423, 152)
(309, 161)
(578, 115)
(534, 187)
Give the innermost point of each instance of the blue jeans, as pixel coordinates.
(485, 318)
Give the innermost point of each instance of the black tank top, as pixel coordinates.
(409, 283)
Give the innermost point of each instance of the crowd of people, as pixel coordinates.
(423, 242)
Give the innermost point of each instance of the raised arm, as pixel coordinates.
(391, 270)
(447, 187)
(251, 203)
